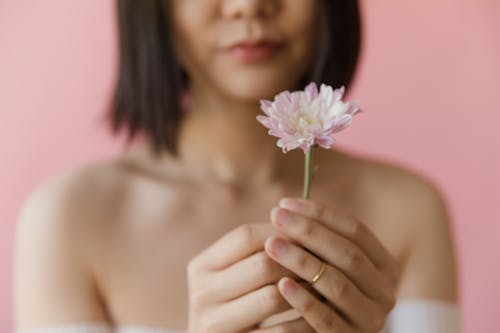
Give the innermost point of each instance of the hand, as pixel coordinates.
(232, 284)
(360, 278)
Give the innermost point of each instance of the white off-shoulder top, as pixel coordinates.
(407, 316)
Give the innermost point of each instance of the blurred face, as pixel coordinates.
(246, 49)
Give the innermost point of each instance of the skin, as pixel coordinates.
(188, 243)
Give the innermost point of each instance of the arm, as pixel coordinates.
(430, 268)
(428, 293)
(53, 284)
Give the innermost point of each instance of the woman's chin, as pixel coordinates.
(255, 88)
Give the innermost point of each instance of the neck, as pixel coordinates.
(220, 138)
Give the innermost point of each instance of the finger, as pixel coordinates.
(346, 225)
(320, 316)
(233, 246)
(248, 310)
(335, 250)
(246, 275)
(332, 284)
(279, 318)
(295, 326)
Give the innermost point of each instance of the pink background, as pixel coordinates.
(428, 80)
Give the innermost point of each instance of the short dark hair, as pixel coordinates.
(150, 80)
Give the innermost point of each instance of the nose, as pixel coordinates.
(249, 8)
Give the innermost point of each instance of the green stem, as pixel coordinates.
(307, 175)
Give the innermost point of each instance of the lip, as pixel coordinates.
(254, 51)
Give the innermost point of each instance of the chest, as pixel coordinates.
(142, 262)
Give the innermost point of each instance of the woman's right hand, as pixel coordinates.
(232, 284)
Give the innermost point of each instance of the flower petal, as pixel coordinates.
(341, 123)
(311, 91)
(266, 106)
(287, 144)
(325, 141)
(264, 120)
(276, 132)
(353, 108)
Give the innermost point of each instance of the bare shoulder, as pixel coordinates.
(53, 282)
(415, 210)
(70, 198)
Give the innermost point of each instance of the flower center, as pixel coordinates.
(305, 123)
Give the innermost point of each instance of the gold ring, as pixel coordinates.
(318, 275)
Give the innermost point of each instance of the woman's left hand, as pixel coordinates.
(360, 277)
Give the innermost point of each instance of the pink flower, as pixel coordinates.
(301, 119)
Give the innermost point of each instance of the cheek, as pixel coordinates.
(190, 50)
(301, 24)
(188, 31)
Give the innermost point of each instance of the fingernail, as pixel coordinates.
(286, 202)
(278, 246)
(284, 218)
(288, 286)
(274, 211)
(294, 204)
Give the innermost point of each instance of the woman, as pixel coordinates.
(182, 232)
